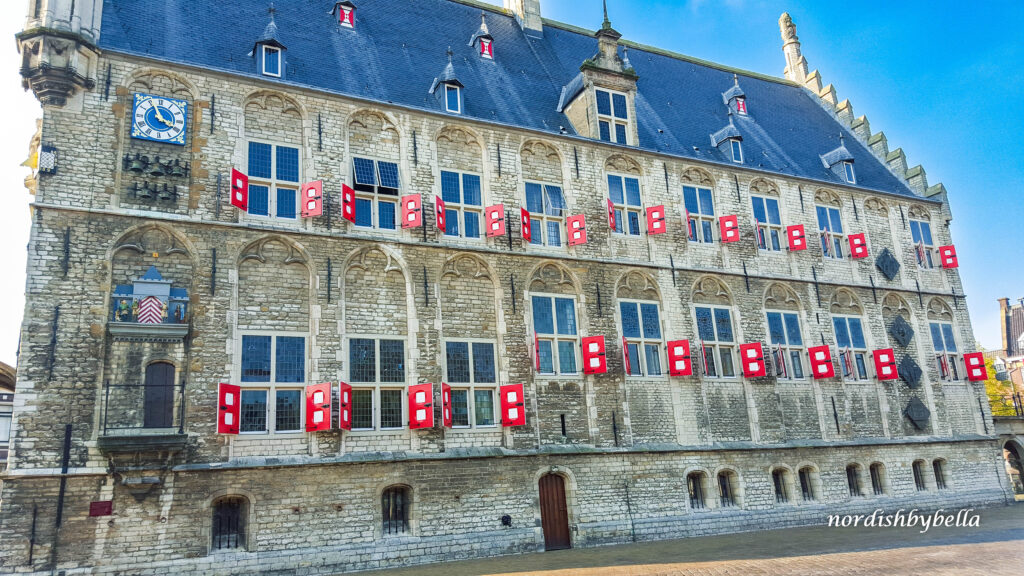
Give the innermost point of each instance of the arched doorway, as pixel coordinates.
(159, 396)
(554, 514)
(1014, 466)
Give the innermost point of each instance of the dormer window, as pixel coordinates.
(487, 48)
(737, 151)
(453, 98)
(848, 170)
(612, 116)
(271, 61)
(483, 37)
(741, 106)
(346, 13)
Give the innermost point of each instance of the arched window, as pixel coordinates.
(808, 484)
(395, 503)
(230, 519)
(918, 469)
(781, 481)
(853, 480)
(939, 468)
(877, 471)
(1012, 455)
(696, 485)
(728, 488)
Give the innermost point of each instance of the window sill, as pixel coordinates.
(379, 432)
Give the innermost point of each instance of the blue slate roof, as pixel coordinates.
(394, 53)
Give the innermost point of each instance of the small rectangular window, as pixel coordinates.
(830, 229)
(848, 168)
(737, 151)
(273, 180)
(463, 200)
(613, 116)
(271, 61)
(624, 192)
(714, 327)
(700, 211)
(253, 416)
(554, 321)
(769, 223)
(452, 99)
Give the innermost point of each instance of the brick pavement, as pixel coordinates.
(994, 548)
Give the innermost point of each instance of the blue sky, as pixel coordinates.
(937, 77)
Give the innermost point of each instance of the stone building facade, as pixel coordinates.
(147, 290)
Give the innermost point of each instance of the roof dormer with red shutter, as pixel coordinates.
(483, 40)
(346, 12)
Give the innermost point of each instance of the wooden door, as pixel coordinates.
(554, 514)
(159, 396)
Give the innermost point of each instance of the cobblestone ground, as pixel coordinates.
(996, 547)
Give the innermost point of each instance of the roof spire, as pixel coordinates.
(449, 54)
(735, 80)
(271, 10)
(607, 23)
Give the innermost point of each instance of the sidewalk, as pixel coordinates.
(994, 548)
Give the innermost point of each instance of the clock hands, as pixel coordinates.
(160, 115)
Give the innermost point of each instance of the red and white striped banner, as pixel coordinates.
(150, 310)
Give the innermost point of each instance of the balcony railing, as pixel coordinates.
(141, 416)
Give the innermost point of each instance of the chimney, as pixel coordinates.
(527, 13)
(796, 66)
(1004, 320)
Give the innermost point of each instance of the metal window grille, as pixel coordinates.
(853, 480)
(391, 409)
(940, 477)
(725, 492)
(362, 409)
(288, 411)
(919, 477)
(779, 480)
(876, 480)
(229, 523)
(395, 510)
(695, 486)
(806, 487)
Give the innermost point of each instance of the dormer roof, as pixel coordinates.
(729, 132)
(481, 32)
(734, 92)
(570, 91)
(447, 75)
(270, 36)
(840, 154)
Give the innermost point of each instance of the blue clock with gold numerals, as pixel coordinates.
(159, 119)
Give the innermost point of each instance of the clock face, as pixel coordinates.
(159, 119)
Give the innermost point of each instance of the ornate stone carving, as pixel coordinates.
(151, 239)
(371, 121)
(845, 302)
(939, 310)
(373, 259)
(279, 103)
(709, 290)
(781, 297)
(458, 138)
(764, 187)
(918, 212)
(623, 164)
(55, 67)
(828, 197)
(273, 248)
(696, 175)
(638, 286)
(163, 82)
(876, 206)
(466, 266)
(552, 276)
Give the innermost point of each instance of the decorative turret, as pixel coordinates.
(484, 38)
(796, 66)
(58, 48)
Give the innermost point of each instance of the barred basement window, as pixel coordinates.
(695, 485)
(395, 502)
(230, 516)
(273, 180)
(921, 234)
(624, 192)
(830, 227)
(780, 481)
(727, 485)
(463, 204)
(714, 326)
(641, 327)
(946, 358)
(700, 214)
(877, 471)
(918, 468)
(807, 484)
(939, 468)
(373, 364)
(376, 185)
(853, 480)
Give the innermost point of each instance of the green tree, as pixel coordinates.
(999, 392)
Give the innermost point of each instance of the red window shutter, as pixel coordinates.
(344, 406)
(729, 226)
(625, 356)
(229, 399)
(741, 106)
(656, 220)
(524, 216)
(494, 217)
(976, 369)
(239, 190)
(421, 406)
(679, 362)
(821, 362)
(446, 405)
(318, 407)
(611, 214)
(486, 48)
(594, 360)
(577, 229)
(439, 211)
(858, 246)
(348, 203)
(513, 405)
(412, 211)
(795, 235)
(885, 364)
(947, 255)
(312, 199)
(346, 17)
(752, 356)
(536, 352)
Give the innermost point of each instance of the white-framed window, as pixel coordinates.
(471, 372)
(830, 227)
(624, 192)
(612, 116)
(554, 322)
(921, 234)
(273, 180)
(700, 214)
(453, 98)
(463, 203)
(714, 326)
(546, 205)
(6, 413)
(641, 327)
(271, 61)
(769, 223)
(737, 150)
(787, 345)
(947, 357)
(376, 184)
(853, 348)
(376, 371)
(272, 377)
(848, 172)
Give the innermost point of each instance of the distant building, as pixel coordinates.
(1012, 316)
(6, 410)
